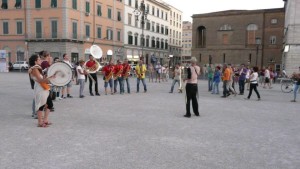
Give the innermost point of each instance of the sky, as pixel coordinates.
(190, 7)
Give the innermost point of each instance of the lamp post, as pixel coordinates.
(257, 42)
(143, 12)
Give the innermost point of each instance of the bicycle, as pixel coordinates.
(287, 85)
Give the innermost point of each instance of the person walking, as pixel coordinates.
(216, 81)
(176, 77)
(242, 78)
(210, 76)
(254, 83)
(192, 88)
(296, 77)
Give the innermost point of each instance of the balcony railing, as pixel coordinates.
(55, 36)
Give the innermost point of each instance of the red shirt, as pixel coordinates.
(118, 67)
(126, 68)
(107, 69)
(90, 63)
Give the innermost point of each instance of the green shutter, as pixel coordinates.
(38, 4)
(87, 6)
(99, 12)
(74, 4)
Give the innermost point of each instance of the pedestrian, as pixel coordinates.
(151, 72)
(158, 72)
(267, 78)
(191, 88)
(216, 80)
(296, 77)
(176, 75)
(210, 76)
(69, 85)
(225, 79)
(81, 77)
(254, 83)
(242, 78)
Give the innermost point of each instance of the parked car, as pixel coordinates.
(20, 65)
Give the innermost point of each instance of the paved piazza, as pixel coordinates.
(148, 130)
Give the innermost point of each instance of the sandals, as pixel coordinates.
(42, 125)
(48, 123)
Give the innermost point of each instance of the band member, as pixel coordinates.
(192, 88)
(46, 62)
(108, 72)
(140, 71)
(126, 73)
(91, 65)
(118, 71)
(41, 91)
(69, 85)
(81, 77)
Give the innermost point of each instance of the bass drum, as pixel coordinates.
(62, 72)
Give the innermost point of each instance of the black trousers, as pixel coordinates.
(191, 94)
(253, 87)
(94, 76)
(242, 86)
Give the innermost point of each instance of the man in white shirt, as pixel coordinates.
(158, 71)
(69, 85)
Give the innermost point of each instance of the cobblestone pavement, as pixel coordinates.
(148, 130)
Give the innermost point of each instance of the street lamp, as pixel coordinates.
(143, 12)
(257, 42)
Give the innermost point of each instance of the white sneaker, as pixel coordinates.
(60, 98)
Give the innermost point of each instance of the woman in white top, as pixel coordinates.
(254, 83)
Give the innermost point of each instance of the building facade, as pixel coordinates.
(187, 30)
(61, 26)
(291, 53)
(175, 35)
(252, 37)
(150, 41)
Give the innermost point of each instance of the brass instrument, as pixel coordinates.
(118, 74)
(94, 68)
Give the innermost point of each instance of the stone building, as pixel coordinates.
(239, 36)
(291, 54)
(186, 41)
(60, 26)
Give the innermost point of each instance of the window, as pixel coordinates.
(19, 28)
(157, 28)
(162, 44)
(147, 42)
(5, 28)
(201, 37)
(153, 10)
(87, 7)
(162, 29)
(166, 45)
(99, 31)
(119, 36)
(74, 30)
(129, 19)
(4, 4)
(157, 43)
(225, 39)
(109, 13)
(274, 21)
(109, 34)
(167, 31)
(119, 16)
(153, 29)
(54, 29)
(157, 13)
(87, 31)
(251, 34)
(38, 29)
(136, 5)
(153, 43)
(38, 4)
(99, 13)
(273, 40)
(148, 26)
(74, 4)
(136, 40)
(53, 3)
(130, 38)
(129, 2)
(162, 14)
(18, 4)
(166, 16)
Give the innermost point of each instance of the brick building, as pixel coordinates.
(239, 36)
(60, 26)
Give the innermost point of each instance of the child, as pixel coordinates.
(81, 77)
